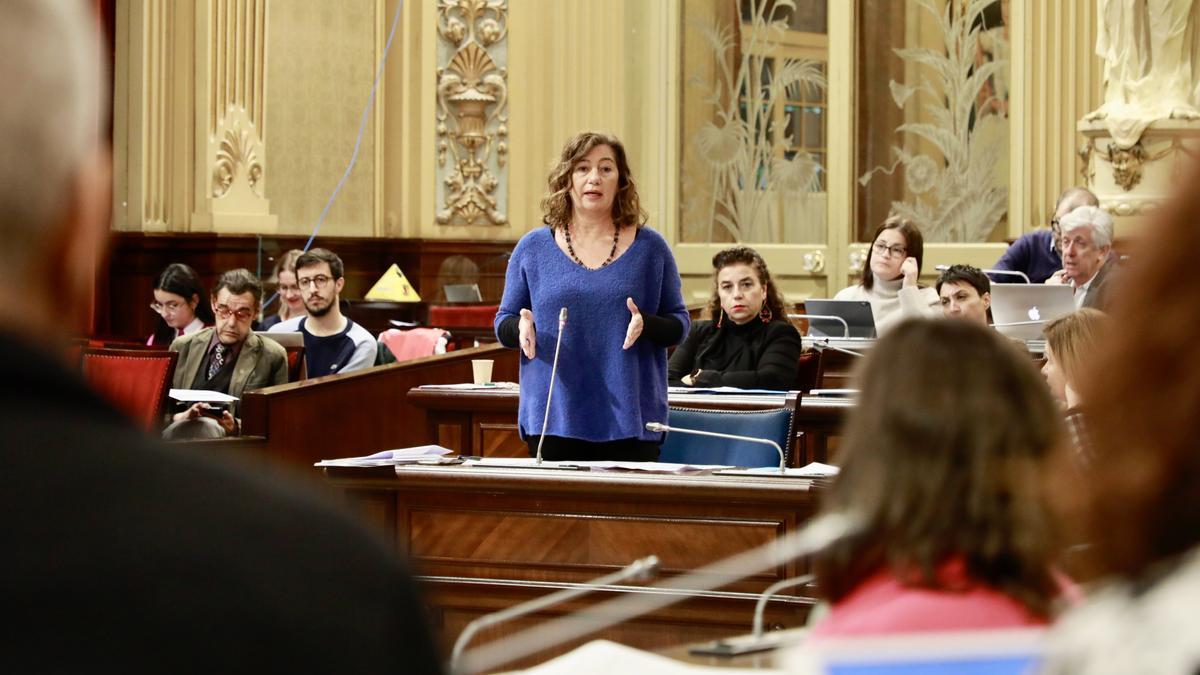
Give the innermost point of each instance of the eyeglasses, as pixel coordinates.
(320, 281)
(881, 249)
(242, 314)
(163, 307)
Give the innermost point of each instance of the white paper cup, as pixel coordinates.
(482, 370)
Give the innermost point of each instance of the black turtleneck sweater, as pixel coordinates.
(755, 355)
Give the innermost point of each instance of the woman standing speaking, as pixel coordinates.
(619, 284)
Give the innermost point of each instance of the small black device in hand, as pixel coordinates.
(216, 410)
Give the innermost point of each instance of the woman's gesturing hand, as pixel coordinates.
(635, 324)
(528, 334)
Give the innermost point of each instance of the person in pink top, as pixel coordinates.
(944, 459)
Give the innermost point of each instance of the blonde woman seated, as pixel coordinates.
(889, 277)
(1070, 341)
(750, 344)
(944, 460)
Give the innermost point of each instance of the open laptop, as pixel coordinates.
(462, 293)
(1020, 311)
(857, 314)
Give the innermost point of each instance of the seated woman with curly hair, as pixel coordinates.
(749, 342)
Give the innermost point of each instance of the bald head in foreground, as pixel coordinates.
(121, 553)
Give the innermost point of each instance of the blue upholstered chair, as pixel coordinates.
(773, 424)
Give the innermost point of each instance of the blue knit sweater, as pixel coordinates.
(603, 392)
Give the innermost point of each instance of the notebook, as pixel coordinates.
(1020, 311)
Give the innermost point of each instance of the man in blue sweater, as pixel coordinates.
(1038, 253)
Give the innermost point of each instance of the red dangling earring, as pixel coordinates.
(766, 314)
(720, 318)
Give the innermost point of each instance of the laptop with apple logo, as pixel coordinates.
(1021, 310)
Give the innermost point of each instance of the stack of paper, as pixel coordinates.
(644, 467)
(811, 470)
(391, 457)
(601, 657)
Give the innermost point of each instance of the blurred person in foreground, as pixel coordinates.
(749, 343)
(943, 459)
(121, 554)
(618, 281)
(1140, 504)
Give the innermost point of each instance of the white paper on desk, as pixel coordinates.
(810, 470)
(197, 395)
(722, 390)
(469, 386)
(601, 657)
(390, 457)
(517, 462)
(652, 467)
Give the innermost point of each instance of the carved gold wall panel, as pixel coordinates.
(231, 92)
(472, 112)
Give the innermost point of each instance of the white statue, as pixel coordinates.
(1151, 52)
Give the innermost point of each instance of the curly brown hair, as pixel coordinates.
(744, 255)
(942, 459)
(556, 204)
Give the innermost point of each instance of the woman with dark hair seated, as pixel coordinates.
(181, 304)
(750, 344)
(944, 460)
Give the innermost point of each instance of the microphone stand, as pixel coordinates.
(562, 321)
(813, 537)
(658, 427)
(1015, 273)
(827, 317)
(638, 570)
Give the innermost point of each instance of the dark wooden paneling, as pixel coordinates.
(125, 282)
(358, 413)
(485, 539)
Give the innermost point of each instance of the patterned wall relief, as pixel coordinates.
(472, 112)
(755, 151)
(955, 132)
(231, 111)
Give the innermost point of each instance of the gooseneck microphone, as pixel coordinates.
(658, 426)
(1014, 273)
(825, 317)
(562, 322)
(812, 537)
(643, 569)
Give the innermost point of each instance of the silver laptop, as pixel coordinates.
(1020, 311)
(462, 293)
(856, 313)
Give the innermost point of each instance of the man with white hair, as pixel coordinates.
(1087, 234)
(121, 554)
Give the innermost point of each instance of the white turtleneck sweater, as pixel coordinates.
(891, 303)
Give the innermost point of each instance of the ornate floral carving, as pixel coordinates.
(237, 152)
(472, 110)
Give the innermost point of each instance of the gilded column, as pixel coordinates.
(472, 112)
(231, 166)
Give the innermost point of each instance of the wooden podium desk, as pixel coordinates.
(484, 422)
(481, 539)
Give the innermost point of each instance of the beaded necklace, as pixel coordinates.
(611, 254)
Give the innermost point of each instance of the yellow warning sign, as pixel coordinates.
(393, 287)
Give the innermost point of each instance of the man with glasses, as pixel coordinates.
(1087, 234)
(333, 343)
(1038, 253)
(227, 358)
